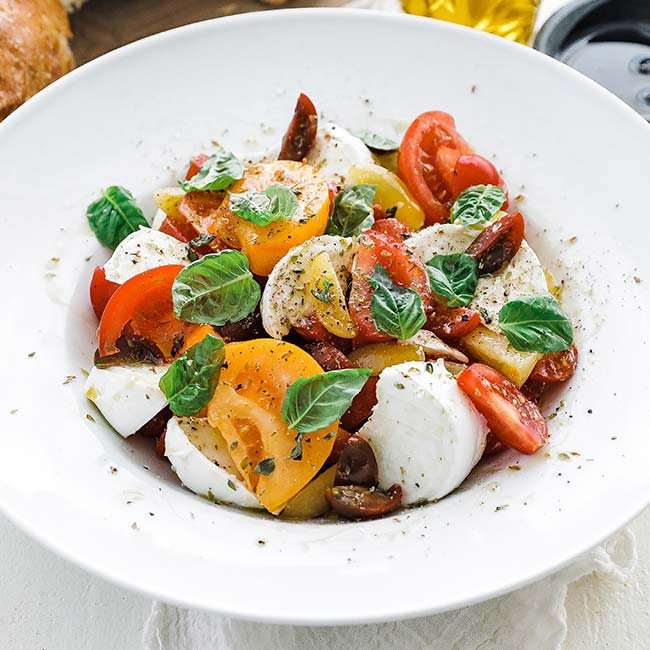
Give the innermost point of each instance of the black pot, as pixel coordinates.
(609, 41)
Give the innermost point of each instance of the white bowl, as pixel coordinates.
(134, 117)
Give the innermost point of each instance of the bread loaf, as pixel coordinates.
(34, 49)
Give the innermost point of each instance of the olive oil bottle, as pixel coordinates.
(511, 19)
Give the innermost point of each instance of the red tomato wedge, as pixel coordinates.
(101, 291)
(181, 231)
(513, 419)
(302, 130)
(426, 160)
(392, 228)
(195, 165)
(498, 243)
(452, 323)
(404, 268)
(556, 367)
(144, 303)
(437, 164)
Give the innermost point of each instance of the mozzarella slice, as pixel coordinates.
(141, 251)
(127, 396)
(199, 455)
(335, 150)
(426, 434)
(284, 302)
(524, 276)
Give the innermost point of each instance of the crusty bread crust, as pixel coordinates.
(34, 49)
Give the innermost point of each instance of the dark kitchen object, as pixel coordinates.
(607, 40)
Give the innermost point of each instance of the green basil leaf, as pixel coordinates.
(115, 216)
(218, 172)
(477, 204)
(217, 289)
(313, 403)
(377, 142)
(352, 211)
(536, 324)
(265, 467)
(263, 208)
(397, 311)
(198, 242)
(191, 380)
(454, 277)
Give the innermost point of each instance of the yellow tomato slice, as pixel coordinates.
(391, 193)
(378, 356)
(266, 245)
(326, 295)
(246, 409)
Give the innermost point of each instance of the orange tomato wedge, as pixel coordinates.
(246, 408)
(266, 245)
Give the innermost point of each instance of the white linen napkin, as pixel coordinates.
(532, 618)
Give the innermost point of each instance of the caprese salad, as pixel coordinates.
(347, 327)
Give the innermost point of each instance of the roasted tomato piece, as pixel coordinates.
(498, 243)
(556, 367)
(404, 268)
(301, 133)
(512, 417)
(144, 304)
(101, 291)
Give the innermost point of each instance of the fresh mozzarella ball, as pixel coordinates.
(426, 434)
(198, 453)
(284, 301)
(524, 276)
(335, 150)
(141, 251)
(127, 396)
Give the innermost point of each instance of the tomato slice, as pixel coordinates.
(392, 228)
(247, 409)
(197, 214)
(144, 303)
(426, 161)
(195, 165)
(472, 169)
(176, 230)
(301, 133)
(513, 419)
(452, 323)
(498, 243)
(404, 268)
(556, 367)
(101, 291)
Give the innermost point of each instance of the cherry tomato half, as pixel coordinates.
(472, 169)
(404, 268)
(513, 419)
(144, 303)
(101, 291)
(498, 243)
(301, 133)
(452, 323)
(556, 367)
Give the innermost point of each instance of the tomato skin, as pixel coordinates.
(556, 367)
(145, 303)
(498, 243)
(452, 323)
(404, 268)
(513, 419)
(392, 228)
(426, 162)
(174, 230)
(361, 406)
(197, 213)
(301, 133)
(101, 291)
(472, 169)
(195, 165)
(311, 329)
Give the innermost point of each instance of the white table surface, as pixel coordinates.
(47, 603)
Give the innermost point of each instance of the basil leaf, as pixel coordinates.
(218, 172)
(377, 142)
(191, 380)
(263, 208)
(198, 242)
(265, 467)
(477, 204)
(115, 216)
(397, 311)
(454, 277)
(217, 289)
(352, 211)
(536, 324)
(313, 403)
